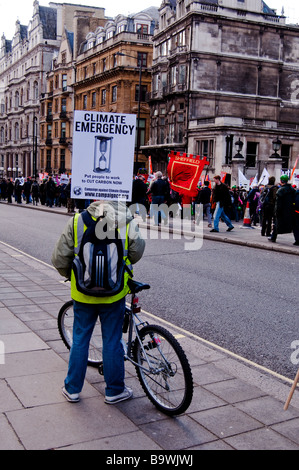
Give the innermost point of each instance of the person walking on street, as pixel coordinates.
(88, 308)
(284, 212)
(10, 190)
(204, 198)
(267, 202)
(222, 198)
(139, 190)
(158, 190)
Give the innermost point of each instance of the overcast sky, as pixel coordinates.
(13, 10)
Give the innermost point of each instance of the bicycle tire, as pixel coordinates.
(170, 388)
(65, 322)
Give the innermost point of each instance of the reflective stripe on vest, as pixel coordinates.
(79, 229)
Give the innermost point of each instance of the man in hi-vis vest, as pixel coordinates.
(87, 308)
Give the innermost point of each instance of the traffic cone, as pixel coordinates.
(247, 219)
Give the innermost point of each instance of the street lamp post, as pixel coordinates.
(34, 145)
(139, 102)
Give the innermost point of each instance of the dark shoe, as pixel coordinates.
(213, 230)
(271, 240)
(230, 229)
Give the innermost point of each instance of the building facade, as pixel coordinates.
(225, 73)
(113, 71)
(57, 104)
(24, 62)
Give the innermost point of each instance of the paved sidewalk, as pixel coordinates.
(236, 405)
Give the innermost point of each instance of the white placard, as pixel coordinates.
(103, 155)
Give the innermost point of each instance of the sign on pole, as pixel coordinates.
(103, 155)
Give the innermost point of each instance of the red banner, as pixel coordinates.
(184, 172)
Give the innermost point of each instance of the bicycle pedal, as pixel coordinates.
(101, 369)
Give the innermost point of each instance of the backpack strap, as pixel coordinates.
(79, 221)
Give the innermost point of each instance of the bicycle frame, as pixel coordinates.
(135, 325)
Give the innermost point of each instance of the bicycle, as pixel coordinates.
(161, 364)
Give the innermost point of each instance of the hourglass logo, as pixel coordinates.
(102, 154)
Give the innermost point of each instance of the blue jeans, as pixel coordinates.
(219, 213)
(157, 201)
(85, 317)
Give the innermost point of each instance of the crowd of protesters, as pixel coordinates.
(49, 192)
(273, 207)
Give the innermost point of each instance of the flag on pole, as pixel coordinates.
(264, 179)
(295, 166)
(150, 166)
(243, 181)
(184, 172)
(254, 182)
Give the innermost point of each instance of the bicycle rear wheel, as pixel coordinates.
(65, 327)
(163, 370)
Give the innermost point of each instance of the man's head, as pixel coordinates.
(284, 179)
(217, 179)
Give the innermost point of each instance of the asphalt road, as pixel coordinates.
(240, 298)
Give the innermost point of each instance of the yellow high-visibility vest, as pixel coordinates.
(79, 229)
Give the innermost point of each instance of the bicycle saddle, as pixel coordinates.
(137, 286)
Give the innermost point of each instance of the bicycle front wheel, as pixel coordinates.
(163, 370)
(65, 327)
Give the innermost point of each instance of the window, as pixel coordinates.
(285, 155)
(63, 105)
(104, 65)
(49, 131)
(140, 133)
(93, 99)
(205, 148)
(114, 94)
(103, 97)
(142, 28)
(142, 59)
(142, 94)
(55, 158)
(84, 101)
(182, 74)
(173, 76)
(64, 82)
(63, 130)
(181, 38)
(48, 163)
(251, 154)
(17, 133)
(62, 161)
(35, 91)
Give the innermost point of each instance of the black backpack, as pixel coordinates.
(264, 197)
(100, 265)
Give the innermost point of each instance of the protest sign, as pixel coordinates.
(103, 155)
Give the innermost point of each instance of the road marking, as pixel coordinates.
(183, 333)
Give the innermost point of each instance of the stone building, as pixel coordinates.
(113, 71)
(57, 104)
(24, 62)
(225, 85)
